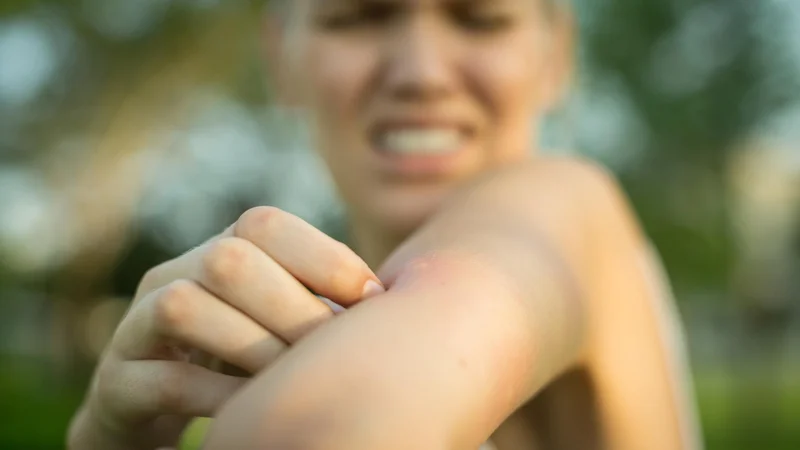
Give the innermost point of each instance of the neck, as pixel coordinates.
(374, 243)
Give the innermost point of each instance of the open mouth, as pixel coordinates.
(414, 148)
(420, 141)
(421, 150)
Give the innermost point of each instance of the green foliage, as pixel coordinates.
(678, 187)
(737, 81)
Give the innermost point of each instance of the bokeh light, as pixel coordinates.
(131, 131)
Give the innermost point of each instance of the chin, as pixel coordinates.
(402, 210)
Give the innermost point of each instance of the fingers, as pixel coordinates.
(148, 388)
(185, 312)
(318, 261)
(238, 271)
(242, 275)
(181, 267)
(242, 298)
(263, 267)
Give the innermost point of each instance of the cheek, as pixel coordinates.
(338, 76)
(510, 79)
(336, 81)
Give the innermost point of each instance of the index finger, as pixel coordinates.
(321, 263)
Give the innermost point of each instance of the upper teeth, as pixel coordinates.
(433, 140)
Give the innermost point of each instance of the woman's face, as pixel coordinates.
(411, 98)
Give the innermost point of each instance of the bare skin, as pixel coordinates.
(521, 299)
(478, 318)
(240, 298)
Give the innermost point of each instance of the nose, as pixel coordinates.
(418, 64)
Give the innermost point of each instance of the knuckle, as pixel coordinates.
(170, 395)
(152, 278)
(105, 381)
(225, 260)
(110, 389)
(261, 221)
(173, 307)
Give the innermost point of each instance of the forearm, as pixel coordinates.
(404, 370)
(482, 311)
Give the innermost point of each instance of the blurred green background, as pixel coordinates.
(131, 131)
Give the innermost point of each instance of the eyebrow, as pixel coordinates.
(360, 2)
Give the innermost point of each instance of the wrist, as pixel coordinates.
(90, 431)
(86, 433)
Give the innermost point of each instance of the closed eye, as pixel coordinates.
(481, 19)
(362, 15)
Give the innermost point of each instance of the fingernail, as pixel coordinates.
(371, 289)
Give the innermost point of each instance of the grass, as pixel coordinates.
(738, 412)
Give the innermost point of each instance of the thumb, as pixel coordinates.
(371, 289)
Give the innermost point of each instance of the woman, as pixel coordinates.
(516, 299)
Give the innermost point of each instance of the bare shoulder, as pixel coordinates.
(585, 185)
(598, 194)
(574, 202)
(630, 297)
(563, 168)
(588, 182)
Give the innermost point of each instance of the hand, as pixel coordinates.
(242, 297)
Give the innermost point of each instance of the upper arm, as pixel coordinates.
(637, 359)
(635, 349)
(633, 346)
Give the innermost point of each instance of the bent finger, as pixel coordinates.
(239, 272)
(321, 263)
(187, 313)
(151, 388)
(182, 267)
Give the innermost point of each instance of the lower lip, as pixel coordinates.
(412, 166)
